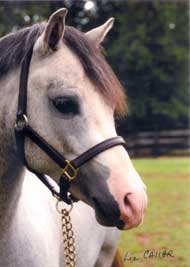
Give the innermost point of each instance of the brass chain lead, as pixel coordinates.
(68, 236)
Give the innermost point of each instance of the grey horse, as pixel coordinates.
(72, 97)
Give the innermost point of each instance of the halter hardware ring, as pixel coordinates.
(21, 123)
(69, 171)
(60, 209)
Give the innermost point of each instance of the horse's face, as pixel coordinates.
(66, 108)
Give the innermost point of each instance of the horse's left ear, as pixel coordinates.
(98, 34)
(54, 31)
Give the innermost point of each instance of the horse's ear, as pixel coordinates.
(54, 30)
(98, 34)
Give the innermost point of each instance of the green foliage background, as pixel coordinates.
(166, 222)
(148, 49)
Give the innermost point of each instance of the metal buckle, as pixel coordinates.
(21, 123)
(70, 171)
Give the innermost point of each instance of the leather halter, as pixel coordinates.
(69, 168)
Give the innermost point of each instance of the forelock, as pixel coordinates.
(14, 47)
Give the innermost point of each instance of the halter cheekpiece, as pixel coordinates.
(69, 167)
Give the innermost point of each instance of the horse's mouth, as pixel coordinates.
(110, 222)
(107, 218)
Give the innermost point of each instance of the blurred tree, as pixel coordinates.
(151, 48)
(148, 49)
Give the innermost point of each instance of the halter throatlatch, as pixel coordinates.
(69, 167)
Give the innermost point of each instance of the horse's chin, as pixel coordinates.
(109, 222)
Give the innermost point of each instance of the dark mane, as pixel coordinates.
(14, 46)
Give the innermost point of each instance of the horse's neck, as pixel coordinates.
(11, 170)
(10, 192)
(27, 216)
(11, 180)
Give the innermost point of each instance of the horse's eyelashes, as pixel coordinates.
(65, 105)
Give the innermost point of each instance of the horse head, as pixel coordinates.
(72, 97)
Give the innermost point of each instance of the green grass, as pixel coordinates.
(166, 224)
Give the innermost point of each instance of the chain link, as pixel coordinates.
(68, 236)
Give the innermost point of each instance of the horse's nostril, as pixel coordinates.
(126, 199)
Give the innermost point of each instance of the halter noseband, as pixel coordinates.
(69, 168)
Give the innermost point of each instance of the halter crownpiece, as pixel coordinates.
(69, 167)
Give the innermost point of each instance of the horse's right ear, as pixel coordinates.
(54, 31)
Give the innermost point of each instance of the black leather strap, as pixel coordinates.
(97, 149)
(22, 99)
(47, 148)
(81, 159)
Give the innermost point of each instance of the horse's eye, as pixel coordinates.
(65, 105)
